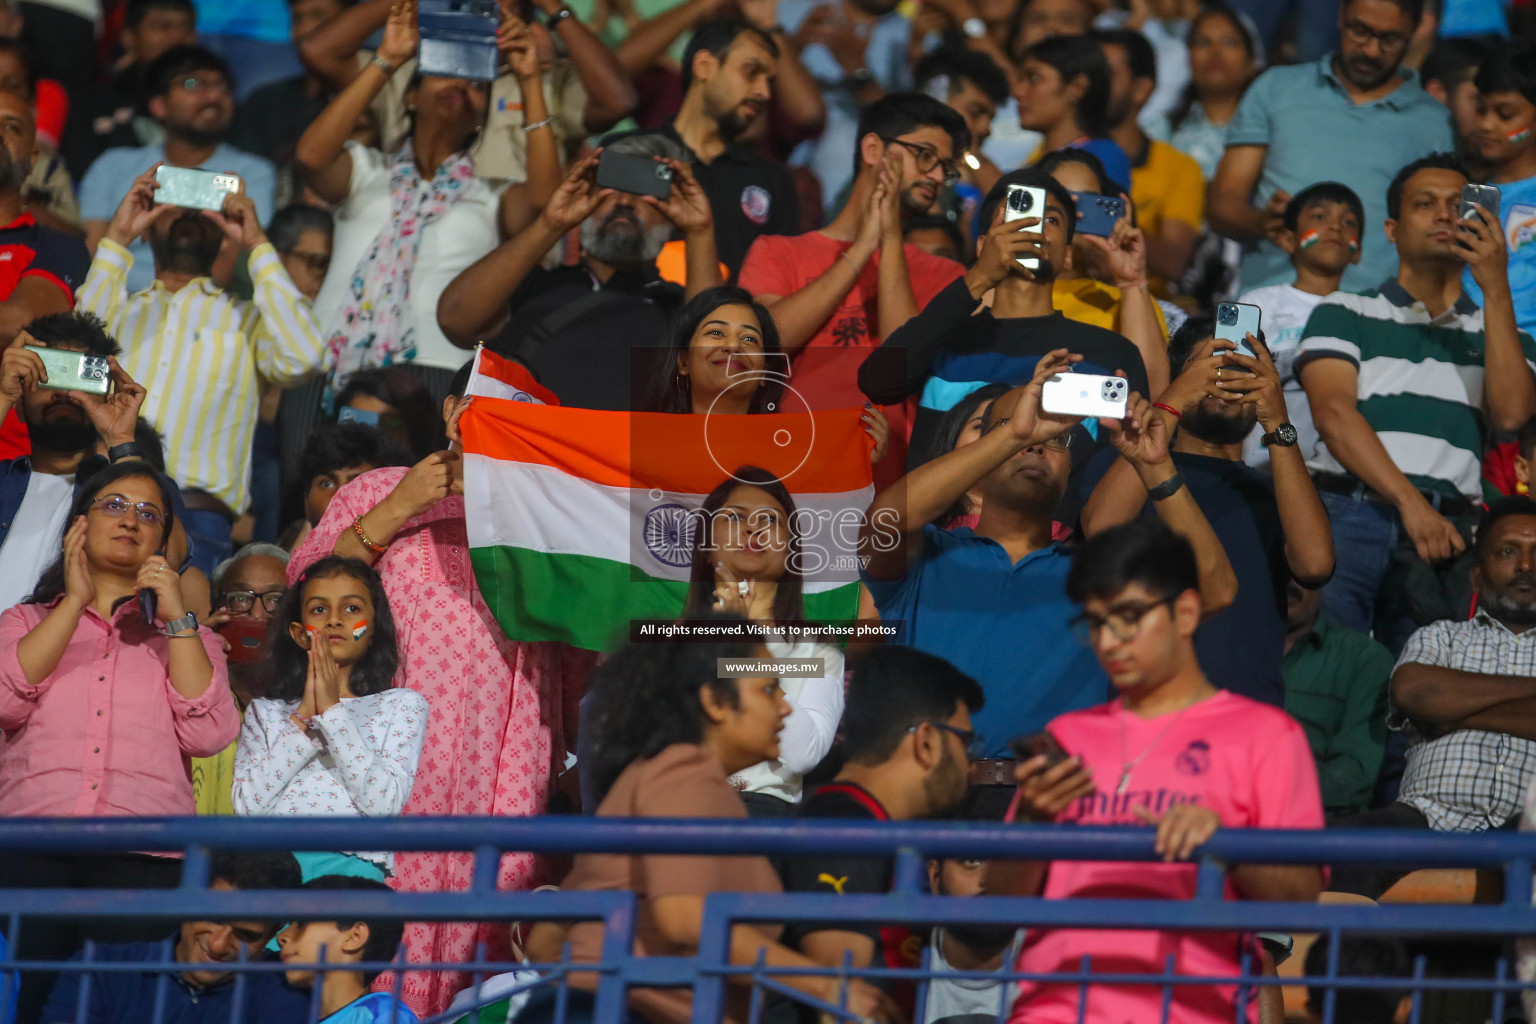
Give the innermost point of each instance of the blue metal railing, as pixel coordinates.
(910, 845)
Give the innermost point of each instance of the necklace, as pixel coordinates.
(1128, 765)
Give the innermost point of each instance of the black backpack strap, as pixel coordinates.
(547, 329)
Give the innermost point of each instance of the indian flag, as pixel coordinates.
(496, 377)
(581, 521)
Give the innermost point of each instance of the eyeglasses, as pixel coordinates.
(1359, 33)
(117, 506)
(317, 262)
(239, 601)
(927, 159)
(205, 83)
(969, 737)
(1123, 621)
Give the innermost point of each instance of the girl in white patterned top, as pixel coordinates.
(332, 737)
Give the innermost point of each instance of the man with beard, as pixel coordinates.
(1465, 692)
(991, 599)
(190, 93)
(1405, 382)
(954, 346)
(1272, 528)
(585, 329)
(202, 353)
(1355, 117)
(728, 74)
(837, 292)
(907, 730)
(37, 490)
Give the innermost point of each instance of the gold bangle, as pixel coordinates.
(357, 528)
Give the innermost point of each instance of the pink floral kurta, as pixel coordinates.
(497, 718)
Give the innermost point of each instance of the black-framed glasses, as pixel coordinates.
(117, 506)
(927, 159)
(241, 601)
(970, 738)
(1060, 443)
(1123, 620)
(1359, 33)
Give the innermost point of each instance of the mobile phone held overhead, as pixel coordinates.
(1235, 321)
(193, 188)
(1096, 214)
(1085, 394)
(74, 371)
(1023, 201)
(458, 39)
(636, 175)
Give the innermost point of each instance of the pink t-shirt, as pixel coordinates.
(1250, 763)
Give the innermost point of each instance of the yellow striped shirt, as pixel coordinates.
(201, 354)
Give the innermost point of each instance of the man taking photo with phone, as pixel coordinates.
(575, 327)
(1404, 382)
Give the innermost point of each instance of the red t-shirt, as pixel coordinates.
(27, 249)
(825, 374)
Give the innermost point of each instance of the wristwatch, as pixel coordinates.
(1283, 435)
(974, 28)
(177, 626)
(553, 21)
(859, 79)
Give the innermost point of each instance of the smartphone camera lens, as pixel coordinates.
(1226, 314)
(663, 172)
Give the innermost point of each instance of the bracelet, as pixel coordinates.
(856, 271)
(538, 124)
(357, 528)
(308, 722)
(383, 65)
(1170, 410)
(126, 450)
(1168, 488)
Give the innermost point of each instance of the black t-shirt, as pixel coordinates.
(945, 353)
(843, 875)
(591, 346)
(1240, 648)
(749, 196)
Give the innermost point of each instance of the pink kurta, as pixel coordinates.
(497, 712)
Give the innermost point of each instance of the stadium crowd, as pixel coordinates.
(1291, 585)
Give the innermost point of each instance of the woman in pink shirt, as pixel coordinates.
(1173, 751)
(101, 710)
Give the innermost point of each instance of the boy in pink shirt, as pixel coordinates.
(1173, 751)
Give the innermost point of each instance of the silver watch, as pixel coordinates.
(186, 622)
(974, 28)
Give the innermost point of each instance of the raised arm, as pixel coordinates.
(610, 94)
(521, 201)
(892, 532)
(330, 50)
(651, 38)
(321, 154)
(1125, 251)
(1509, 390)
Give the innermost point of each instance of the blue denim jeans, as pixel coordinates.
(1364, 534)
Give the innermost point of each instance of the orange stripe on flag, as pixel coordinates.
(822, 452)
(514, 375)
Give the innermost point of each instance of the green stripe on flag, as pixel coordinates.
(589, 602)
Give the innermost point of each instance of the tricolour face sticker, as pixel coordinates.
(1354, 245)
(1519, 135)
(359, 630)
(1309, 239)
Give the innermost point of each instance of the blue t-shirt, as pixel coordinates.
(107, 181)
(128, 997)
(373, 1008)
(1006, 625)
(1517, 214)
(1314, 132)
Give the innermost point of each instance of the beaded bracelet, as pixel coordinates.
(357, 528)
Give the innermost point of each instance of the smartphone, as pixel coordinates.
(1037, 744)
(245, 638)
(1096, 214)
(1025, 201)
(1085, 394)
(74, 371)
(1486, 196)
(636, 175)
(367, 417)
(194, 188)
(458, 39)
(1235, 321)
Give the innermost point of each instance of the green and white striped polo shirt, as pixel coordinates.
(1421, 381)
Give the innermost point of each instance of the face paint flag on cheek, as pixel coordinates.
(1309, 239)
(1519, 135)
(1354, 245)
(359, 630)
